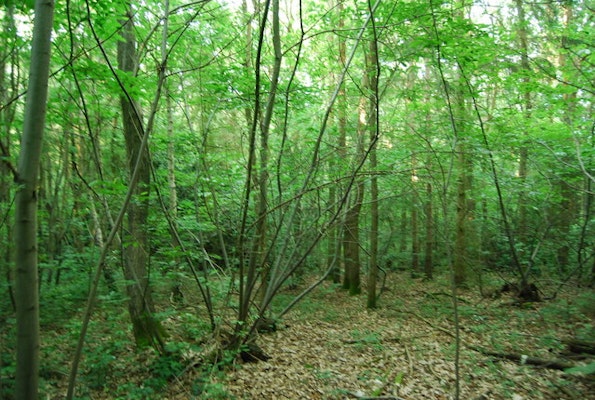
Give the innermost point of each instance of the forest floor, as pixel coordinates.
(332, 347)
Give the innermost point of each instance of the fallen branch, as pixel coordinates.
(578, 346)
(443, 330)
(523, 359)
(520, 359)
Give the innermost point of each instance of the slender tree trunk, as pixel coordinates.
(263, 180)
(415, 247)
(527, 111)
(7, 89)
(403, 231)
(338, 232)
(429, 243)
(147, 330)
(373, 68)
(27, 298)
(351, 244)
(258, 252)
(171, 161)
(567, 210)
(333, 246)
(351, 240)
(464, 237)
(415, 241)
(460, 247)
(171, 147)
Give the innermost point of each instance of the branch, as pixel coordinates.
(523, 359)
(5, 161)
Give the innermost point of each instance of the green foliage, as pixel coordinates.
(134, 392)
(100, 361)
(588, 369)
(324, 375)
(210, 390)
(364, 339)
(167, 367)
(7, 370)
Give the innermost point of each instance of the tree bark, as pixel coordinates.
(335, 236)
(374, 128)
(352, 279)
(460, 247)
(27, 297)
(351, 239)
(528, 106)
(147, 330)
(263, 179)
(414, 234)
(429, 243)
(7, 169)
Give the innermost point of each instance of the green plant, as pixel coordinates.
(167, 366)
(211, 391)
(588, 369)
(130, 391)
(365, 339)
(100, 367)
(7, 373)
(323, 374)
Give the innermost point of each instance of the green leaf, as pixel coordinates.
(399, 378)
(588, 369)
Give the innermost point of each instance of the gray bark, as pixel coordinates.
(27, 298)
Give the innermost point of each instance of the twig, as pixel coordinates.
(449, 333)
(409, 359)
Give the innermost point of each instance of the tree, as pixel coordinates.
(147, 330)
(373, 70)
(351, 228)
(27, 295)
(8, 90)
(527, 106)
(335, 241)
(429, 239)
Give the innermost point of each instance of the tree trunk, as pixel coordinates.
(460, 248)
(333, 244)
(258, 262)
(352, 280)
(373, 125)
(414, 237)
(403, 231)
(263, 180)
(351, 239)
(341, 145)
(429, 251)
(172, 207)
(528, 106)
(7, 173)
(171, 163)
(147, 330)
(415, 245)
(567, 210)
(27, 296)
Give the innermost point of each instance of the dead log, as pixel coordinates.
(578, 346)
(523, 359)
(252, 353)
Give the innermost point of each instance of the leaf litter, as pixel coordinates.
(332, 347)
